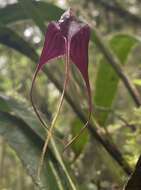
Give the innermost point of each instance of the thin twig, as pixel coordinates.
(117, 115)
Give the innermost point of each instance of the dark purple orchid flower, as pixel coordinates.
(68, 37)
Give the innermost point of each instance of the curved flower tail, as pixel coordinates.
(54, 46)
(32, 102)
(75, 138)
(49, 134)
(79, 56)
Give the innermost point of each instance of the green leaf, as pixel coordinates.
(3, 104)
(13, 13)
(22, 109)
(33, 12)
(28, 146)
(79, 146)
(23, 112)
(107, 80)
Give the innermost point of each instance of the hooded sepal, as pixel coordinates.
(54, 45)
(79, 55)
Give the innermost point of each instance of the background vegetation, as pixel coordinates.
(106, 154)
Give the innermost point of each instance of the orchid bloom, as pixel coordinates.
(67, 38)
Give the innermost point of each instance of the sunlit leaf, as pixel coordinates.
(137, 82)
(107, 80)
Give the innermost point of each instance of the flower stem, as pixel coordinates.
(43, 123)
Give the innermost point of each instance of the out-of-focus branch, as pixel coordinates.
(117, 9)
